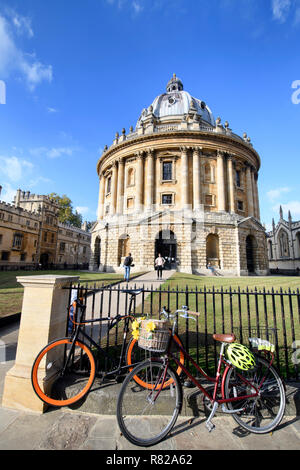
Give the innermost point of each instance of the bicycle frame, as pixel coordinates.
(216, 380)
(112, 322)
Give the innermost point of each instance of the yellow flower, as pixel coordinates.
(136, 334)
(135, 325)
(150, 326)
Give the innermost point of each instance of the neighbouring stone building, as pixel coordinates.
(31, 235)
(181, 184)
(284, 245)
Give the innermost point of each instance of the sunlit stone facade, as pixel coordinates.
(182, 184)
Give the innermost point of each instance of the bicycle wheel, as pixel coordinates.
(135, 354)
(61, 374)
(147, 415)
(264, 412)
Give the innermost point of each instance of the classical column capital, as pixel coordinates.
(139, 155)
(197, 150)
(220, 153)
(184, 149)
(150, 152)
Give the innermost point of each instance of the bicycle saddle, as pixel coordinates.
(230, 338)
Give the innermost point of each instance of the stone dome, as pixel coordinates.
(175, 104)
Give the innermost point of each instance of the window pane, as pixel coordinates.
(167, 199)
(167, 170)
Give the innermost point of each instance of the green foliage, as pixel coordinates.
(66, 214)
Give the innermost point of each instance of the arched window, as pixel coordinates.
(123, 247)
(284, 244)
(209, 173)
(212, 250)
(270, 249)
(131, 177)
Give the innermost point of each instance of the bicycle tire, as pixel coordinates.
(134, 354)
(261, 414)
(57, 383)
(145, 417)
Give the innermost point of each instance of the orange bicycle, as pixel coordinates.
(64, 370)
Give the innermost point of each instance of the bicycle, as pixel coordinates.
(65, 369)
(255, 396)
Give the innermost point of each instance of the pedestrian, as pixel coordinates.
(127, 264)
(159, 265)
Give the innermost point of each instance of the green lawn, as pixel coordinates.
(11, 292)
(223, 313)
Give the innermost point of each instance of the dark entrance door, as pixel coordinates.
(44, 260)
(250, 254)
(166, 245)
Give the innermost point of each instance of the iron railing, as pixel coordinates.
(273, 315)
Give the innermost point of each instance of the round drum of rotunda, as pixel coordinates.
(182, 184)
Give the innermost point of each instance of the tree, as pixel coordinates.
(66, 214)
(90, 224)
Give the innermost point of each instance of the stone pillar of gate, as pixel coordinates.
(43, 319)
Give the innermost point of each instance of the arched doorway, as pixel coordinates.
(212, 250)
(166, 245)
(250, 253)
(97, 252)
(123, 247)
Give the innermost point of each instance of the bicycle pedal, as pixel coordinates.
(188, 384)
(209, 426)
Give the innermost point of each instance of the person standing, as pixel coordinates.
(159, 264)
(127, 264)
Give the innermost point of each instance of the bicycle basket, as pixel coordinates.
(260, 337)
(154, 335)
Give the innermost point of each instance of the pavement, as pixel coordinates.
(79, 429)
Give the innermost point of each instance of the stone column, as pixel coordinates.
(230, 183)
(249, 191)
(220, 181)
(196, 178)
(101, 196)
(184, 178)
(149, 181)
(114, 180)
(43, 319)
(139, 181)
(120, 191)
(256, 195)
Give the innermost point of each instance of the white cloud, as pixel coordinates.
(281, 9)
(14, 60)
(14, 168)
(22, 24)
(8, 193)
(53, 152)
(137, 7)
(52, 110)
(83, 210)
(38, 180)
(292, 206)
(58, 152)
(134, 4)
(274, 194)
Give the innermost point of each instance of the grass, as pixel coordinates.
(222, 314)
(11, 292)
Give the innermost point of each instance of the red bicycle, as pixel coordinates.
(246, 386)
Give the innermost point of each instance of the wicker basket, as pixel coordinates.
(156, 340)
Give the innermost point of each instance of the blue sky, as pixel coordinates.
(76, 72)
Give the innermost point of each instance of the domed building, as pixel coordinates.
(181, 184)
